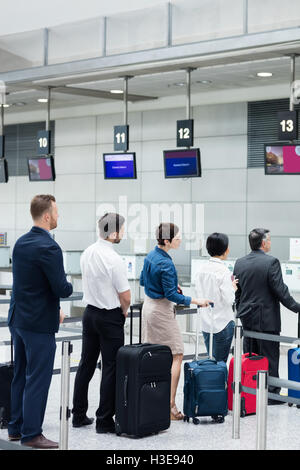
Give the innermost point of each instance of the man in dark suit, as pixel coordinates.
(39, 281)
(260, 291)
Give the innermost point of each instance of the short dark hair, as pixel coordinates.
(41, 204)
(217, 244)
(109, 223)
(166, 231)
(256, 237)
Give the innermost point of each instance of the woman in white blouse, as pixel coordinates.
(213, 281)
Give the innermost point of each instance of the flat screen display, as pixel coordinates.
(41, 168)
(182, 163)
(3, 171)
(282, 159)
(119, 165)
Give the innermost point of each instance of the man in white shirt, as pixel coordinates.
(107, 295)
(213, 281)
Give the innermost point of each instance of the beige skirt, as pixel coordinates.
(159, 324)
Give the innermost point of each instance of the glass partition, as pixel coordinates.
(194, 21)
(137, 30)
(76, 41)
(22, 51)
(272, 14)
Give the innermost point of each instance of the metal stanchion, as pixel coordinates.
(237, 371)
(261, 409)
(64, 395)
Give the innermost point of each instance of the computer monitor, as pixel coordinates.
(3, 170)
(41, 168)
(119, 165)
(282, 159)
(182, 163)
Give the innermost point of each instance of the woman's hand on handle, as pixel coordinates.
(201, 302)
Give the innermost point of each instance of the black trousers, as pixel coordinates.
(269, 349)
(102, 331)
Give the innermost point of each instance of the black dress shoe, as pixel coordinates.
(105, 429)
(78, 423)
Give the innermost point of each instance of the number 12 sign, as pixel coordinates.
(185, 133)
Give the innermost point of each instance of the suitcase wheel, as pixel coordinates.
(298, 406)
(243, 413)
(186, 419)
(290, 404)
(218, 419)
(196, 421)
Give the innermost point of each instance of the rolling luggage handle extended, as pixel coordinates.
(139, 308)
(211, 337)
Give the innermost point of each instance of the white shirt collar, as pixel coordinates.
(106, 243)
(216, 260)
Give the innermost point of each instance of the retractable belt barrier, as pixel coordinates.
(274, 381)
(261, 391)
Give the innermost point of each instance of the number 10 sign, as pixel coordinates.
(43, 142)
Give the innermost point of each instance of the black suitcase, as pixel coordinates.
(6, 377)
(143, 386)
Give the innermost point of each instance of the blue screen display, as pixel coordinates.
(181, 163)
(119, 165)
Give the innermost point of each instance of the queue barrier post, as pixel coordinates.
(65, 413)
(261, 409)
(236, 385)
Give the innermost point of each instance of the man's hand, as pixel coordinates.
(61, 316)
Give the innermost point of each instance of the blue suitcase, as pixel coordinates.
(205, 386)
(294, 367)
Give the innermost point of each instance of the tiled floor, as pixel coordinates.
(283, 423)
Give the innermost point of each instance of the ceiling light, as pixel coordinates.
(43, 100)
(117, 92)
(5, 105)
(264, 74)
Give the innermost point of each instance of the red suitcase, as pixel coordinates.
(251, 363)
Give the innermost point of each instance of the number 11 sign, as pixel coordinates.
(121, 138)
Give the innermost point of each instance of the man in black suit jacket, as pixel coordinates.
(260, 291)
(39, 281)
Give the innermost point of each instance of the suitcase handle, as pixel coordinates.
(139, 308)
(213, 361)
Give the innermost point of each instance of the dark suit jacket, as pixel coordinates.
(39, 281)
(260, 291)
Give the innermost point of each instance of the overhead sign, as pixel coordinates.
(185, 133)
(121, 138)
(43, 142)
(287, 125)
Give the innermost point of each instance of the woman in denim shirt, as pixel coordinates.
(159, 278)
